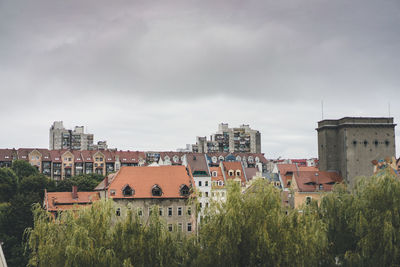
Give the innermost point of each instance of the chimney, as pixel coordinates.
(75, 192)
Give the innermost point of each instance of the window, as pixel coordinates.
(238, 173)
(354, 142)
(206, 194)
(189, 227)
(189, 211)
(156, 191)
(184, 190)
(214, 174)
(365, 142)
(140, 211)
(220, 183)
(199, 183)
(222, 194)
(180, 227)
(206, 204)
(127, 191)
(308, 200)
(169, 211)
(230, 172)
(160, 211)
(206, 183)
(179, 211)
(376, 142)
(118, 212)
(170, 227)
(321, 187)
(387, 143)
(200, 205)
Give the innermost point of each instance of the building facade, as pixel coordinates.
(242, 139)
(77, 139)
(350, 144)
(166, 190)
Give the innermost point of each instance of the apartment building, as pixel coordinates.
(242, 139)
(77, 139)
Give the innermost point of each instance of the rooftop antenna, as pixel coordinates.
(389, 108)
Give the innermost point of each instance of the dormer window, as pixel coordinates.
(214, 174)
(166, 158)
(214, 159)
(156, 191)
(238, 173)
(238, 158)
(250, 159)
(230, 172)
(127, 191)
(221, 158)
(321, 187)
(184, 190)
(257, 159)
(175, 158)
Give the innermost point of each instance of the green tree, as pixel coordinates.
(364, 225)
(85, 182)
(8, 184)
(23, 169)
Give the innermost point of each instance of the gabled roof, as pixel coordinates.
(234, 165)
(219, 177)
(129, 156)
(58, 201)
(310, 181)
(142, 179)
(286, 172)
(250, 173)
(198, 164)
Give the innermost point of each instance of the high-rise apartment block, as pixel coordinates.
(77, 139)
(242, 139)
(348, 145)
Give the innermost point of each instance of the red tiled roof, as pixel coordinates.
(234, 165)
(310, 181)
(142, 179)
(55, 201)
(219, 176)
(286, 171)
(129, 156)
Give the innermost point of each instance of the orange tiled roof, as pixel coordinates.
(286, 171)
(217, 178)
(310, 181)
(55, 201)
(234, 165)
(142, 179)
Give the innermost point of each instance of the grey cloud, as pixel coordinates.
(276, 60)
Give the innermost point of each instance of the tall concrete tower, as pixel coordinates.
(348, 145)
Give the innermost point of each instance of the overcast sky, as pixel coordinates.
(153, 75)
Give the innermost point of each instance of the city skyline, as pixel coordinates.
(153, 76)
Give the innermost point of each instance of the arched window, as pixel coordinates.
(221, 158)
(220, 183)
(156, 191)
(127, 191)
(184, 190)
(214, 174)
(230, 172)
(238, 172)
(214, 159)
(250, 159)
(166, 158)
(175, 158)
